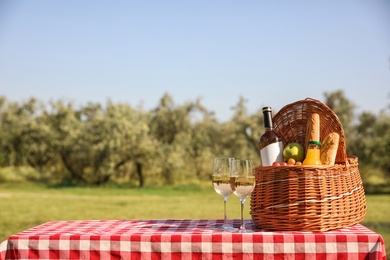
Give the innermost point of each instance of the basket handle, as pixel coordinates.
(313, 99)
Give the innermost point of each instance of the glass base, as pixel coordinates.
(244, 231)
(226, 227)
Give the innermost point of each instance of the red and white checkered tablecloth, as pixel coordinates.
(185, 239)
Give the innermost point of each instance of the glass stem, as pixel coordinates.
(224, 210)
(242, 214)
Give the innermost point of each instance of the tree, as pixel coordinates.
(344, 109)
(67, 140)
(96, 144)
(129, 140)
(205, 143)
(17, 125)
(241, 132)
(381, 143)
(171, 127)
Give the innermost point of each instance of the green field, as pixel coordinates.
(26, 205)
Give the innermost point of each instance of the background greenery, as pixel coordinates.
(97, 144)
(27, 205)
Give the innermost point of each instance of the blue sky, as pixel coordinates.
(270, 52)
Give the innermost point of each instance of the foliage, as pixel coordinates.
(116, 143)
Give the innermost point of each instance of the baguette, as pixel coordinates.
(329, 148)
(312, 129)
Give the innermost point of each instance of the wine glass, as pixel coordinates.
(243, 183)
(223, 168)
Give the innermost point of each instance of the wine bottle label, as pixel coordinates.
(272, 153)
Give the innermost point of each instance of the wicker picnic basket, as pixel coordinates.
(308, 198)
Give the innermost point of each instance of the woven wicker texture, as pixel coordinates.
(290, 124)
(308, 198)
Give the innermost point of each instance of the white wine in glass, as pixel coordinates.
(243, 183)
(223, 168)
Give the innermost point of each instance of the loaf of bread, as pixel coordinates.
(329, 148)
(312, 129)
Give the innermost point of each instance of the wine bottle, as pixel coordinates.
(270, 146)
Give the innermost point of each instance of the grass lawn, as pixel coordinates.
(27, 205)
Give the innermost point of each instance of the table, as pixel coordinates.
(185, 239)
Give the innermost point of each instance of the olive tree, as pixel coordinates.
(344, 109)
(129, 141)
(19, 131)
(171, 127)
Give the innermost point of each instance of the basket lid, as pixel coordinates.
(290, 124)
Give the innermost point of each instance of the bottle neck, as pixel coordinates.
(267, 120)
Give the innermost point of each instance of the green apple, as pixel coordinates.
(294, 150)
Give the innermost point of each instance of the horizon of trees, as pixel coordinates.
(97, 144)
